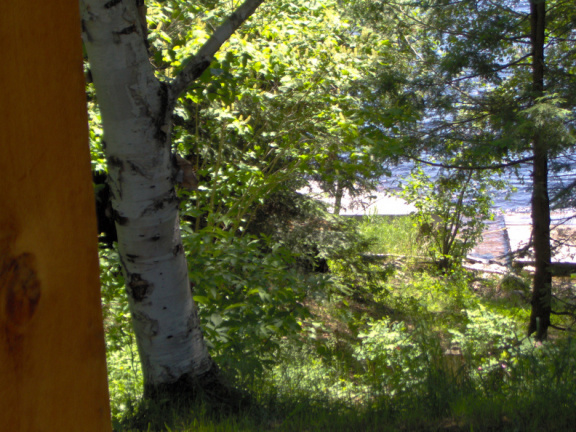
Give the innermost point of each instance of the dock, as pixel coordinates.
(506, 241)
(503, 238)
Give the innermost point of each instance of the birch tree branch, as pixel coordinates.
(194, 66)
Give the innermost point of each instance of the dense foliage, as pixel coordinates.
(314, 314)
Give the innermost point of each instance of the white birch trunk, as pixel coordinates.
(136, 111)
(136, 120)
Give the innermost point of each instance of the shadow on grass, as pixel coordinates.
(445, 408)
(272, 415)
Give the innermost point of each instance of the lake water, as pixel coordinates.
(520, 181)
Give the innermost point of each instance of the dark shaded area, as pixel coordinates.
(311, 261)
(209, 392)
(106, 227)
(291, 218)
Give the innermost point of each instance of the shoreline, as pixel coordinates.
(508, 233)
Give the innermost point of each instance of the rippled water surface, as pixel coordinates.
(520, 181)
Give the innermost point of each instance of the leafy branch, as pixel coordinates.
(197, 64)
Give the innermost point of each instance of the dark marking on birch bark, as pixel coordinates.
(192, 322)
(142, 10)
(178, 249)
(155, 237)
(111, 3)
(151, 325)
(114, 161)
(163, 115)
(113, 196)
(169, 337)
(21, 290)
(136, 168)
(190, 325)
(117, 217)
(154, 207)
(161, 203)
(125, 31)
(138, 287)
(132, 257)
(86, 32)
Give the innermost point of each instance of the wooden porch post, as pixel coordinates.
(52, 353)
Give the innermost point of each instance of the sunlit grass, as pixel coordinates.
(391, 235)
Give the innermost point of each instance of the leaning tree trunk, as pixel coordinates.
(133, 104)
(542, 288)
(136, 111)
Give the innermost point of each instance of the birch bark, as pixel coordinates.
(136, 111)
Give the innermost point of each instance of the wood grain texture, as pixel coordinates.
(52, 353)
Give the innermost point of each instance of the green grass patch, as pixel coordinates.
(391, 235)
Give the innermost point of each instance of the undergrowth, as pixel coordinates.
(407, 349)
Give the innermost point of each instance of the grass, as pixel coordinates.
(392, 235)
(418, 351)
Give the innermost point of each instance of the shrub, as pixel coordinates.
(451, 211)
(248, 299)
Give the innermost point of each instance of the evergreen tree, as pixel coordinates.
(493, 85)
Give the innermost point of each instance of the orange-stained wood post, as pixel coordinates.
(52, 354)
